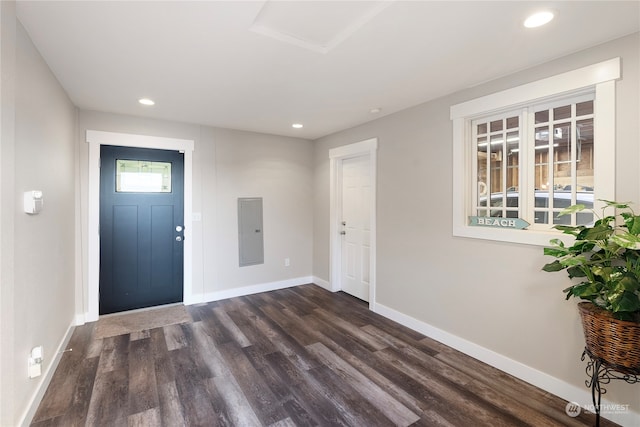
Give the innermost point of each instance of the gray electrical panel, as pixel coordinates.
(250, 233)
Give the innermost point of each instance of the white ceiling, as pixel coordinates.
(261, 66)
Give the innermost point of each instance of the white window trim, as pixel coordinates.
(600, 76)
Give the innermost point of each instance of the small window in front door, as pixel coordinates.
(139, 176)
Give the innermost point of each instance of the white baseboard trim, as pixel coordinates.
(254, 289)
(193, 299)
(526, 373)
(80, 319)
(322, 283)
(42, 386)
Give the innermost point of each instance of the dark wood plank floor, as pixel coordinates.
(295, 357)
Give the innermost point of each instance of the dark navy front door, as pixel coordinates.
(141, 228)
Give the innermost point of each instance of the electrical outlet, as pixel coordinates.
(287, 262)
(34, 362)
(35, 368)
(37, 353)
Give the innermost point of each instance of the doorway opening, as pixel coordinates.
(141, 228)
(353, 219)
(96, 139)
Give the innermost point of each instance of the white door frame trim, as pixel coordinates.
(97, 138)
(336, 156)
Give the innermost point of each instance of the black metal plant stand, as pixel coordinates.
(601, 372)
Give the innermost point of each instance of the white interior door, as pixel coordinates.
(356, 226)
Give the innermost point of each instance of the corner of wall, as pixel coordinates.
(80, 306)
(322, 283)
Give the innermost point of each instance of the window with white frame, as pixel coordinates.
(523, 155)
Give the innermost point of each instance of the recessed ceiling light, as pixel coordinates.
(375, 110)
(538, 19)
(296, 125)
(146, 101)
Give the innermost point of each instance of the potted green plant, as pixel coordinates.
(604, 262)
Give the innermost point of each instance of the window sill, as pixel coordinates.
(525, 237)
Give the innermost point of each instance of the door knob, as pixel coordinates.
(179, 228)
(178, 238)
(343, 232)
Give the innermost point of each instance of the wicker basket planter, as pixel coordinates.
(616, 342)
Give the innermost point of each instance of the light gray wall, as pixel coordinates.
(279, 170)
(7, 193)
(491, 294)
(228, 164)
(40, 306)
